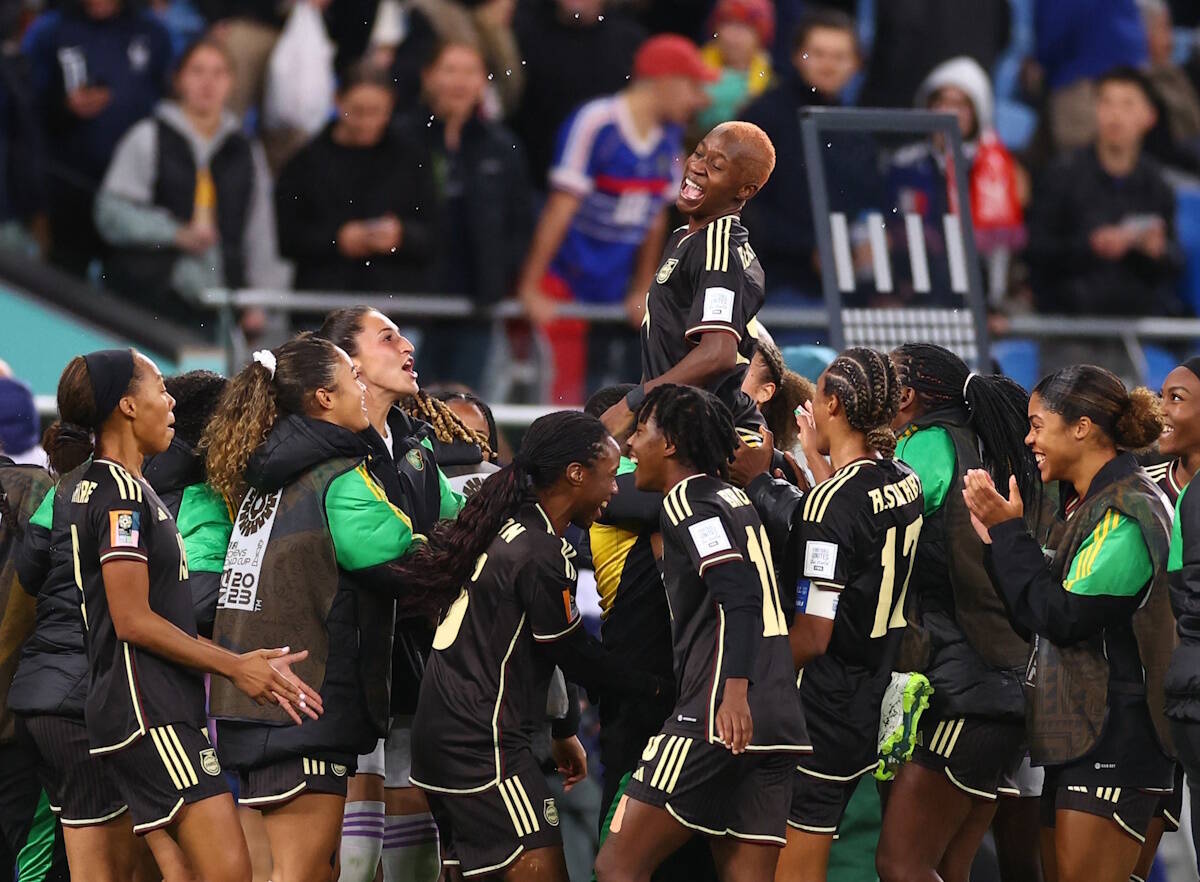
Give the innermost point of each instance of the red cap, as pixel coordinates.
(759, 14)
(670, 55)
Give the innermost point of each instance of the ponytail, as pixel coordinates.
(1131, 420)
(439, 569)
(1140, 422)
(255, 399)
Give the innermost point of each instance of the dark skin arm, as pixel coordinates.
(262, 674)
(713, 356)
(809, 638)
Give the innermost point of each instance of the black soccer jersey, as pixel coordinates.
(857, 537)
(484, 692)
(115, 516)
(1163, 474)
(709, 280)
(707, 524)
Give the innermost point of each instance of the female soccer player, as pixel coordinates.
(941, 804)
(404, 465)
(850, 551)
(145, 700)
(722, 763)
(1101, 615)
(307, 561)
(508, 577)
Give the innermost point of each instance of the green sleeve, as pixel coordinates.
(205, 524)
(367, 530)
(451, 501)
(930, 453)
(1113, 561)
(1175, 556)
(44, 515)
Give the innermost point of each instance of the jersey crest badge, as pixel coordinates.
(664, 272)
(550, 812)
(338, 770)
(414, 460)
(209, 762)
(124, 528)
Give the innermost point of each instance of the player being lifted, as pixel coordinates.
(699, 325)
(850, 549)
(722, 764)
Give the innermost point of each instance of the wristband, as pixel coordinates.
(635, 397)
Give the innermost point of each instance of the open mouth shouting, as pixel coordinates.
(690, 192)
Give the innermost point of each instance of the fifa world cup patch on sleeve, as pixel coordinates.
(709, 537)
(820, 559)
(718, 305)
(124, 528)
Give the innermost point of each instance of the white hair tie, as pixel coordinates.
(266, 358)
(970, 377)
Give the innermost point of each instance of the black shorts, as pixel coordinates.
(484, 832)
(273, 785)
(167, 768)
(81, 788)
(1170, 805)
(976, 754)
(1130, 808)
(819, 801)
(708, 789)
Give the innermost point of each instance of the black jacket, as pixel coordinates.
(1075, 198)
(52, 677)
(483, 237)
(1183, 677)
(325, 185)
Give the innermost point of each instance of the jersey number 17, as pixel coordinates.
(887, 615)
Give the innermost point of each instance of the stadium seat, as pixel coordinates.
(1187, 222)
(808, 360)
(1018, 358)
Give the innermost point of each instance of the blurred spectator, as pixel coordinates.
(572, 51)
(920, 179)
(912, 37)
(249, 29)
(1102, 234)
(96, 67)
(186, 203)
(601, 234)
(20, 427)
(22, 199)
(825, 57)
(485, 213)
(744, 30)
(1077, 41)
(356, 207)
(788, 16)
(1170, 81)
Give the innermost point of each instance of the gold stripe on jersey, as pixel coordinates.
(127, 486)
(953, 739)
(818, 500)
(687, 745)
(519, 790)
(668, 756)
(78, 574)
(185, 762)
(167, 759)
(716, 250)
(512, 810)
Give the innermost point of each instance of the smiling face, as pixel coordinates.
(344, 401)
(385, 358)
(718, 177)
(1181, 407)
(597, 484)
(1055, 442)
(150, 406)
(651, 450)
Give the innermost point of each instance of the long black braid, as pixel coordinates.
(439, 568)
(996, 408)
(696, 422)
(865, 382)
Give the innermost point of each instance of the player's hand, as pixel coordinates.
(806, 423)
(1153, 242)
(539, 309)
(797, 476)
(750, 462)
(87, 102)
(618, 419)
(571, 760)
(988, 508)
(195, 238)
(735, 727)
(266, 676)
(1110, 242)
(386, 234)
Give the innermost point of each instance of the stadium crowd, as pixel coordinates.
(528, 150)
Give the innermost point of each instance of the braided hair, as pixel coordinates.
(865, 383)
(996, 409)
(696, 422)
(438, 569)
(447, 427)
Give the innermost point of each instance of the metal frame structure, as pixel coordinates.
(817, 121)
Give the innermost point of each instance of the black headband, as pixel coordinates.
(1193, 365)
(111, 372)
